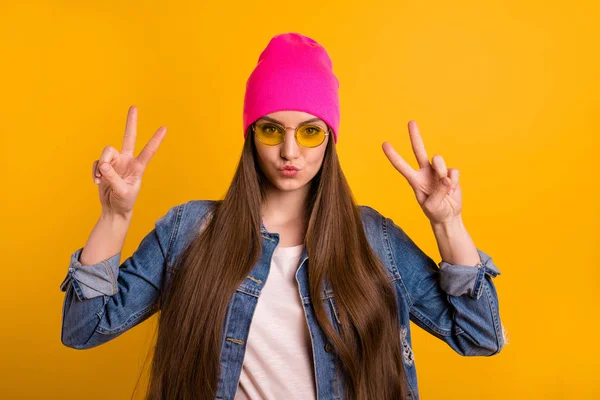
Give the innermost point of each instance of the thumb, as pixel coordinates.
(109, 173)
(443, 188)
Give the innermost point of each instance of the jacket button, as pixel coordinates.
(328, 348)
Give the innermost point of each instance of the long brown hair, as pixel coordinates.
(208, 272)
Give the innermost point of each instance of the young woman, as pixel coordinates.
(285, 288)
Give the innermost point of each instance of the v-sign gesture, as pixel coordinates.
(119, 175)
(436, 187)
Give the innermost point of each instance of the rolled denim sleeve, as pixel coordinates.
(93, 280)
(104, 300)
(457, 279)
(456, 303)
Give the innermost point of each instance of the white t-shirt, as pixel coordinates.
(278, 361)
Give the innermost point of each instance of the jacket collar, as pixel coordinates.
(275, 237)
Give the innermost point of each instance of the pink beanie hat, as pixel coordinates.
(293, 72)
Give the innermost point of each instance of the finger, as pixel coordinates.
(453, 174)
(442, 189)
(439, 166)
(95, 178)
(130, 131)
(417, 144)
(152, 146)
(108, 155)
(116, 182)
(397, 161)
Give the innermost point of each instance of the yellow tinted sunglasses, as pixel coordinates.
(273, 134)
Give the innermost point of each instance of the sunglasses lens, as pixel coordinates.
(311, 135)
(270, 134)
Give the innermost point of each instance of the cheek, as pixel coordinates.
(267, 160)
(264, 156)
(317, 157)
(314, 162)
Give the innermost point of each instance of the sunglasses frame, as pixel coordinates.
(285, 128)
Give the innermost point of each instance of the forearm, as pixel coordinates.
(106, 240)
(455, 243)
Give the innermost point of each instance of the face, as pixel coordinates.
(273, 158)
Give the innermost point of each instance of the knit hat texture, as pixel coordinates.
(293, 72)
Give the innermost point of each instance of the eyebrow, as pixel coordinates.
(308, 121)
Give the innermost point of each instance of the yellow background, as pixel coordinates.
(505, 91)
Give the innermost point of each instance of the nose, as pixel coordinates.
(290, 149)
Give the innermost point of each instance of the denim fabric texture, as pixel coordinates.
(456, 303)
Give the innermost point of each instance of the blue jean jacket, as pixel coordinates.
(456, 303)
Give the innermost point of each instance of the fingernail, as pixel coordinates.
(96, 181)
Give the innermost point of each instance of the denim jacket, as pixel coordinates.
(456, 303)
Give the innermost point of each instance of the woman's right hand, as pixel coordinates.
(120, 184)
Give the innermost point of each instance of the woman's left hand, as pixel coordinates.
(440, 203)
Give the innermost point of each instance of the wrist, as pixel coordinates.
(449, 228)
(455, 243)
(116, 218)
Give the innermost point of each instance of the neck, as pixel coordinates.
(281, 207)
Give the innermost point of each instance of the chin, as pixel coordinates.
(287, 184)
